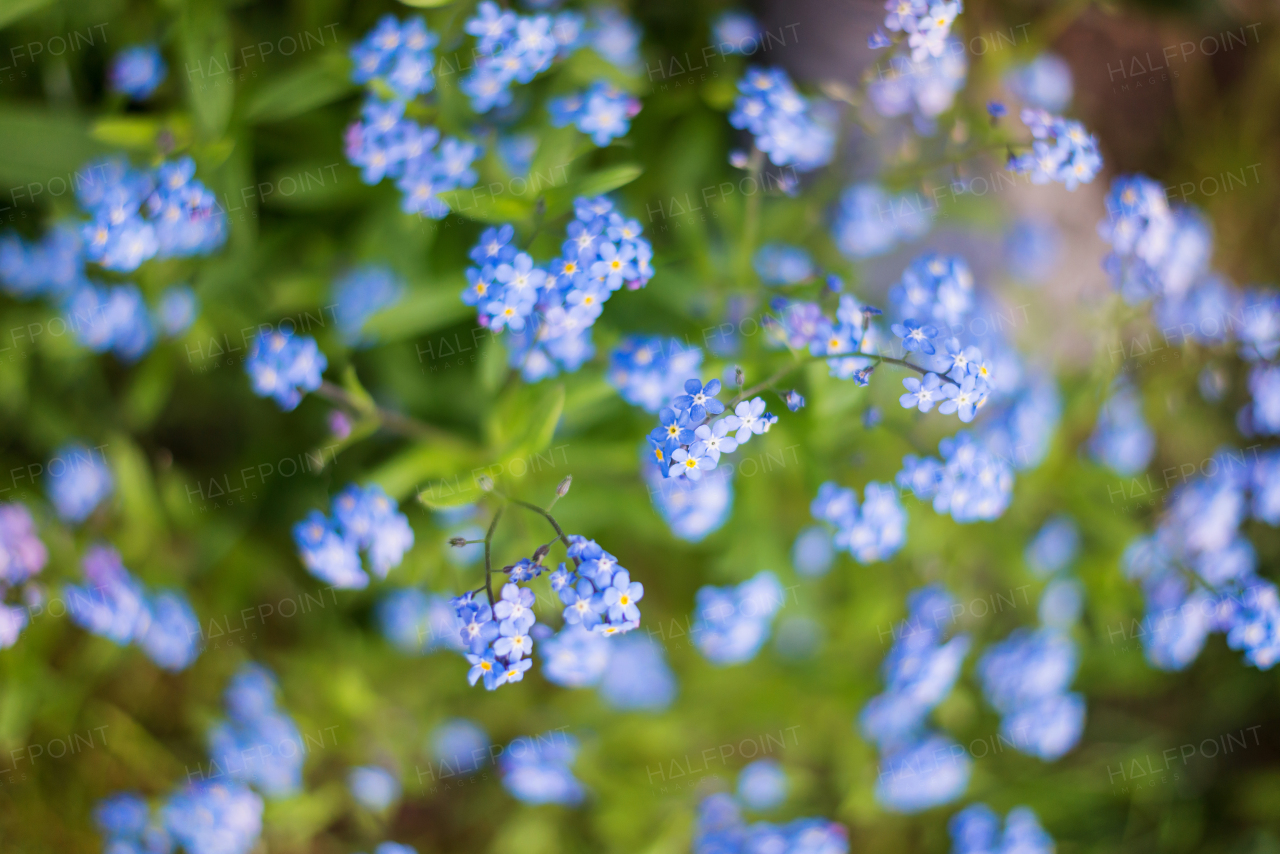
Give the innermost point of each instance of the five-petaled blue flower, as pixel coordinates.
(748, 418)
(714, 439)
(581, 606)
(515, 608)
(513, 643)
(964, 399)
(699, 400)
(915, 336)
(922, 393)
(691, 462)
(485, 666)
(673, 430)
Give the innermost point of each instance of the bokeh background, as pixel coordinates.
(184, 419)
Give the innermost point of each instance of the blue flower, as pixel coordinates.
(603, 112)
(512, 643)
(922, 394)
(690, 462)
(637, 677)
(487, 667)
(539, 770)
(514, 609)
(784, 124)
(915, 336)
(963, 399)
(213, 816)
(713, 439)
(699, 400)
(137, 71)
(78, 481)
(374, 787)
(621, 597)
(1062, 150)
(494, 246)
(581, 606)
(782, 264)
(748, 418)
(284, 367)
(673, 428)
(794, 400)
(359, 295)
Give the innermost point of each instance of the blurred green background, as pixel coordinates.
(185, 416)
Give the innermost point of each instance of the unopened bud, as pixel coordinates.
(485, 483)
(738, 376)
(540, 554)
(457, 542)
(563, 489)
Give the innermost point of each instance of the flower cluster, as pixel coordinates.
(373, 786)
(1045, 82)
(385, 144)
(22, 556)
(1121, 439)
(785, 125)
(688, 441)
(359, 295)
(364, 520)
(1025, 677)
(602, 111)
(260, 745)
(869, 221)
(875, 531)
(732, 623)
(395, 61)
(549, 312)
(136, 215)
(1163, 253)
(630, 673)
(649, 371)
(116, 606)
(539, 769)
(515, 48)
(783, 264)
(925, 88)
(734, 30)
(416, 623)
(204, 818)
(919, 672)
(691, 508)
(79, 481)
(970, 375)
(721, 830)
(598, 594)
(926, 25)
(137, 71)
(1062, 151)
(976, 830)
(284, 366)
(970, 482)
(1199, 572)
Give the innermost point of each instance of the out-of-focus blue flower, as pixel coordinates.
(114, 320)
(1033, 249)
(172, 639)
(692, 509)
(284, 367)
(1025, 677)
(736, 32)
(923, 775)
(362, 293)
(177, 310)
(1055, 546)
(210, 817)
(785, 125)
(783, 264)
(576, 657)
(1061, 603)
(721, 830)
(923, 87)
(732, 623)
(415, 622)
(813, 552)
(114, 604)
(874, 532)
(22, 556)
(1121, 440)
(1062, 150)
(137, 71)
(260, 744)
(970, 483)
(650, 371)
(539, 769)
(1045, 82)
(976, 830)
(603, 112)
(615, 37)
(373, 786)
(459, 746)
(870, 221)
(364, 519)
(762, 785)
(637, 677)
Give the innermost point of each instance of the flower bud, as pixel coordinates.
(457, 542)
(563, 489)
(485, 483)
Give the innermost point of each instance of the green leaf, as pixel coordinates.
(479, 205)
(40, 147)
(12, 10)
(420, 312)
(422, 466)
(211, 63)
(524, 419)
(301, 89)
(611, 178)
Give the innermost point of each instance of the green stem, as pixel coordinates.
(394, 421)
(751, 221)
(767, 384)
(488, 562)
